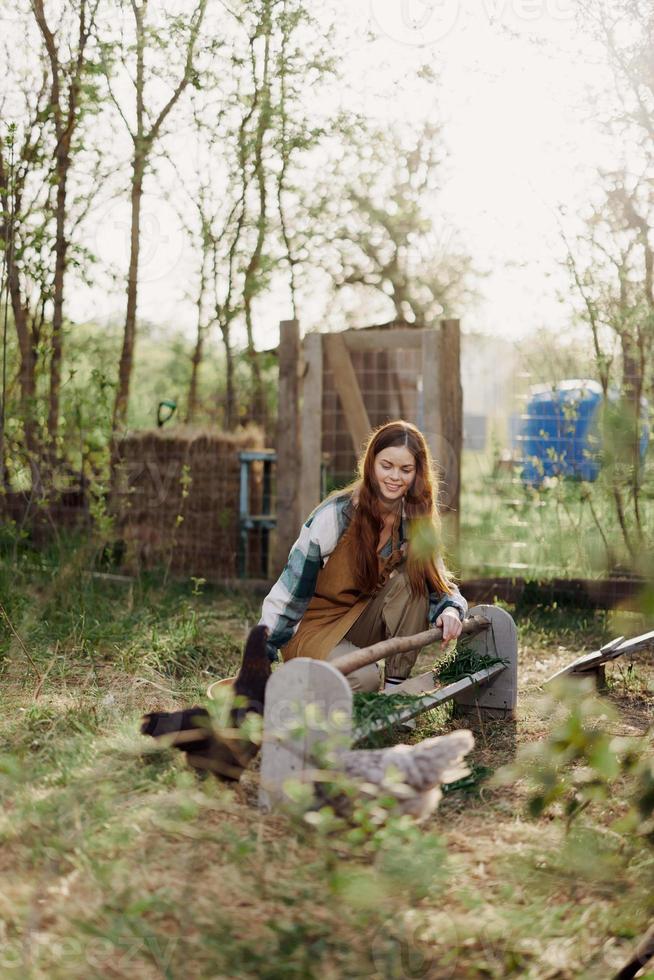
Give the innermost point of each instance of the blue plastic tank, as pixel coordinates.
(559, 432)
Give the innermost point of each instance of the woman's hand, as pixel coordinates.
(450, 622)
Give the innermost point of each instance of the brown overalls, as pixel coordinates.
(339, 612)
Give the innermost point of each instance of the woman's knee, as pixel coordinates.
(364, 679)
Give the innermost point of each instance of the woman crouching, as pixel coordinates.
(367, 565)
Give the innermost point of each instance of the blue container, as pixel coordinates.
(559, 433)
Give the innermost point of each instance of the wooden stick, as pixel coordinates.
(401, 644)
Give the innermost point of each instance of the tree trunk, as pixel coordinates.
(61, 248)
(27, 345)
(196, 360)
(632, 386)
(229, 422)
(129, 336)
(258, 400)
(253, 269)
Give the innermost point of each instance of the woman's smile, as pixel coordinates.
(395, 471)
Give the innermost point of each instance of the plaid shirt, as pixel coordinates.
(285, 604)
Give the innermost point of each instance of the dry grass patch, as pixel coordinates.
(119, 862)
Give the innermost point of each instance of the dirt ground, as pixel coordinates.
(117, 861)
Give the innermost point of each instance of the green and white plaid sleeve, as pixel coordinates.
(286, 603)
(439, 601)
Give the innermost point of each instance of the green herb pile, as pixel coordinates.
(369, 708)
(464, 663)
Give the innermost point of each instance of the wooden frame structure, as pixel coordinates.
(309, 701)
(302, 365)
(594, 664)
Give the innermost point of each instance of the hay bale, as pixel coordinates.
(176, 499)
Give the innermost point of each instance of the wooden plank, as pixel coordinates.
(450, 394)
(592, 662)
(288, 432)
(642, 642)
(400, 339)
(307, 702)
(311, 426)
(420, 684)
(347, 386)
(434, 700)
(431, 415)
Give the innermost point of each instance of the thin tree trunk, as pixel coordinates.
(129, 335)
(143, 137)
(65, 112)
(196, 360)
(258, 401)
(230, 400)
(198, 352)
(632, 384)
(28, 347)
(61, 248)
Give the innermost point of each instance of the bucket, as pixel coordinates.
(213, 687)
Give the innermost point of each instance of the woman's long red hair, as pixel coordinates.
(423, 566)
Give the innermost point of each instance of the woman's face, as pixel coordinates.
(395, 471)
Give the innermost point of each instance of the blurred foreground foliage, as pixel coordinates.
(131, 865)
(581, 761)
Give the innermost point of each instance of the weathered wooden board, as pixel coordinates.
(493, 690)
(307, 701)
(395, 339)
(311, 426)
(500, 684)
(592, 662)
(431, 406)
(347, 386)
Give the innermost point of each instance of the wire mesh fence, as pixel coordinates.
(391, 387)
(177, 501)
(546, 497)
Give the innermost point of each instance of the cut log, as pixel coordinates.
(402, 644)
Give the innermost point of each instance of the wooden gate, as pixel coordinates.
(335, 388)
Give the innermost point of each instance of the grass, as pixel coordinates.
(561, 530)
(117, 861)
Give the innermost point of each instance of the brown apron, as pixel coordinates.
(337, 603)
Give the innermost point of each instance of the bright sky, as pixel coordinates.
(521, 136)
